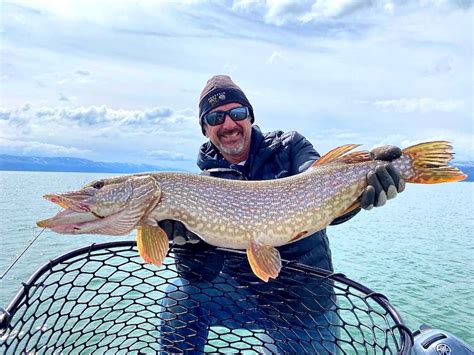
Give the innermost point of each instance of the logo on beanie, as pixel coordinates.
(215, 99)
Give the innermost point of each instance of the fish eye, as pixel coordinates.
(98, 185)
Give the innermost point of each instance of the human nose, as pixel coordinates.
(228, 122)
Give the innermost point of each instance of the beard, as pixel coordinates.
(232, 150)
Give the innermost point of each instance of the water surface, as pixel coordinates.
(418, 250)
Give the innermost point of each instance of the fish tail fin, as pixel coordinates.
(428, 163)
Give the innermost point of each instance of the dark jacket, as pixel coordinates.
(272, 156)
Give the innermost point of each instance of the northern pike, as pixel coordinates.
(255, 216)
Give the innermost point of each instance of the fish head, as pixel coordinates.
(111, 206)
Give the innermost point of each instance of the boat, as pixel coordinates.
(103, 299)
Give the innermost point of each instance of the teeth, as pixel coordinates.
(232, 134)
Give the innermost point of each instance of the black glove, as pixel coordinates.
(386, 182)
(224, 173)
(177, 232)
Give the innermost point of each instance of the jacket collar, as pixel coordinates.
(261, 148)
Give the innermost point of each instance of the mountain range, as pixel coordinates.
(67, 164)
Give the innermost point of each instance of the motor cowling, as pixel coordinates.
(429, 341)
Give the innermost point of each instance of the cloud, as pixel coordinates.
(16, 147)
(164, 117)
(283, 12)
(330, 9)
(402, 57)
(65, 98)
(167, 155)
(275, 57)
(100, 133)
(62, 78)
(82, 72)
(410, 105)
(442, 66)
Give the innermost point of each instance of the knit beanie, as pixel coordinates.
(220, 90)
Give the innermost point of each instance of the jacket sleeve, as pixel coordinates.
(303, 155)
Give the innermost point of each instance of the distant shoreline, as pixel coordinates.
(76, 165)
(73, 165)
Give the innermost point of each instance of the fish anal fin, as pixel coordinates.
(152, 243)
(334, 154)
(298, 235)
(264, 260)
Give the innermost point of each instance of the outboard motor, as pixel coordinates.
(438, 342)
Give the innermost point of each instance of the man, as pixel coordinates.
(239, 150)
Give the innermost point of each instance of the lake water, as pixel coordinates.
(418, 250)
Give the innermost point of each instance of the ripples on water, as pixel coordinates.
(418, 250)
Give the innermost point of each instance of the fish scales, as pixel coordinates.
(227, 213)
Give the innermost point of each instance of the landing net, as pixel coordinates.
(104, 299)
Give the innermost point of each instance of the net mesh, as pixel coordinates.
(104, 299)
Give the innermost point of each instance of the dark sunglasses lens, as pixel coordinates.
(214, 118)
(218, 117)
(238, 113)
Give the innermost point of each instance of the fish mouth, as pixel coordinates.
(75, 201)
(70, 222)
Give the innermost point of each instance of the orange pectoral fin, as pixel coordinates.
(264, 260)
(152, 243)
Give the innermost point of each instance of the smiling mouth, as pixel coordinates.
(231, 135)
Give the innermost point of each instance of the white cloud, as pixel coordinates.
(422, 105)
(327, 9)
(275, 57)
(65, 98)
(63, 78)
(159, 117)
(100, 133)
(16, 147)
(282, 12)
(167, 155)
(356, 71)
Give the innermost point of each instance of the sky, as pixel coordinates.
(119, 81)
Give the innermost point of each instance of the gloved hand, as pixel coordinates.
(386, 182)
(177, 232)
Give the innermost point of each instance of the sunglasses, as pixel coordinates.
(218, 117)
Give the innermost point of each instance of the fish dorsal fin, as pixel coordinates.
(334, 154)
(355, 157)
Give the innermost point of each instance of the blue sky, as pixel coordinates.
(120, 80)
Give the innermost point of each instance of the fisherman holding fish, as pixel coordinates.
(282, 211)
(238, 150)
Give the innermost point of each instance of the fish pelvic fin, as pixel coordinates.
(429, 163)
(152, 243)
(335, 155)
(264, 260)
